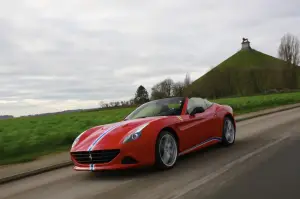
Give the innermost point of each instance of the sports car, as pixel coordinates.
(155, 134)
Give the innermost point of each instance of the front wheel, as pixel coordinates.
(229, 131)
(166, 150)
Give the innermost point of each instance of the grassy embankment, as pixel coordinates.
(25, 139)
(246, 73)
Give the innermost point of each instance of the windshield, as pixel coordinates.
(162, 107)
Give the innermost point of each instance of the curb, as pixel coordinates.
(69, 163)
(35, 172)
(267, 113)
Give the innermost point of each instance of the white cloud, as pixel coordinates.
(8, 102)
(131, 71)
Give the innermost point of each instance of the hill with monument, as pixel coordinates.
(247, 72)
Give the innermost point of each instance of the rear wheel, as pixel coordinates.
(229, 131)
(166, 150)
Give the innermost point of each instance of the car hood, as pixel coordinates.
(108, 135)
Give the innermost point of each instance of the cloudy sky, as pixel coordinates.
(69, 54)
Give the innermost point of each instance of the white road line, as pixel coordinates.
(197, 183)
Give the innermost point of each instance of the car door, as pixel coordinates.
(210, 125)
(196, 129)
(213, 127)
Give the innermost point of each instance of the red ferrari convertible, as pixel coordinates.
(155, 133)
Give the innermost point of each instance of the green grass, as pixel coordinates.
(27, 138)
(23, 139)
(242, 105)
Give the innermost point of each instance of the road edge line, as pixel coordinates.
(69, 163)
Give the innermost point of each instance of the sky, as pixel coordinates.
(68, 54)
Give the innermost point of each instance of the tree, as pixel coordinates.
(162, 89)
(177, 89)
(141, 95)
(289, 49)
(187, 80)
(101, 104)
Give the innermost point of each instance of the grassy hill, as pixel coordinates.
(247, 72)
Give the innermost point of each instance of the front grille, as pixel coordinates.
(95, 157)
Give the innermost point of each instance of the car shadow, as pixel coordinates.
(123, 174)
(200, 153)
(182, 162)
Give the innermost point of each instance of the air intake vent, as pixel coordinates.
(95, 157)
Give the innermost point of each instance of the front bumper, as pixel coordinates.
(131, 155)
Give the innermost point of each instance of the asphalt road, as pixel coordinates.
(263, 163)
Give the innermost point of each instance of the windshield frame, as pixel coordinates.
(141, 107)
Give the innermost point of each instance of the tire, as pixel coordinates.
(166, 150)
(229, 132)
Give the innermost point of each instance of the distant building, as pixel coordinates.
(246, 44)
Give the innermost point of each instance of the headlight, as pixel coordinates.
(135, 135)
(77, 139)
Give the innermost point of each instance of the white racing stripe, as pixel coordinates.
(193, 185)
(103, 134)
(92, 166)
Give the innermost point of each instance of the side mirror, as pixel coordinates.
(197, 110)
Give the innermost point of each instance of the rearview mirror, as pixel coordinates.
(197, 110)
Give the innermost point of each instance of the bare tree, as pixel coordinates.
(166, 86)
(162, 89)
(289, 49)
(187, 80)
(177, 89)
(101, 104)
